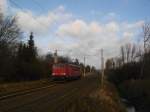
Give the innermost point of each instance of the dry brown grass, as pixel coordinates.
(20, 86)
(102, 100)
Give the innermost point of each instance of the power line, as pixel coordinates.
(38, 4)
(14, 3)
(42, 9)
(17, 5)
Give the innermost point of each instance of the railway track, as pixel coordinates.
(70, 97)
(50, 98)
(25, 101)
(26, 91)
(55, 100)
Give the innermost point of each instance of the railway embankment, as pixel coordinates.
(8, 88)
(104, 99)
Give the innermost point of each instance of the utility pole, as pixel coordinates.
(55, 57)
(102, 69)
(90, 69)
(84, 68)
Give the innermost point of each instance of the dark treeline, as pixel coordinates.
(19, 61)
(130, 72)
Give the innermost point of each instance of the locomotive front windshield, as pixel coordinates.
(58, 65)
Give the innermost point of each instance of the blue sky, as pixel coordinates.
(129, 10)
(80, 26)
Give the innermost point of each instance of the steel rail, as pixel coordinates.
(26, 91)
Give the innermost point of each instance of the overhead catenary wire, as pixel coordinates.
(42, 10)
(20, 7)
(15, 4)
(42, 25)
(38, 4)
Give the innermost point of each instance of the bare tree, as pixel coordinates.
(128, 53)
(9, 34)
(146, 36)
(109, 64)
(146, 42)
(133, 52)
(122, 55)
(9, 31)
(117, 62)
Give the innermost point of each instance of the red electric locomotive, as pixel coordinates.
(66, 71)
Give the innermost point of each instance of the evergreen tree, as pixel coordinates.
(31, 50)
(76, 62)
(27, 64)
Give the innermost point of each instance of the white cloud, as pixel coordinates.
(28, 22)
(76, 35)
(128, 34)
(132, 26)
(60, 9)
(112, 27)
(3, 6)
(93, 36)
(41, 24)
(79, 29)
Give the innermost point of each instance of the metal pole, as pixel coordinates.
(84, 68)
(102, 69)
(55, 57)
(90, 69)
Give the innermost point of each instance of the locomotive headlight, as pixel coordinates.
(53, 73)
(64, 73)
